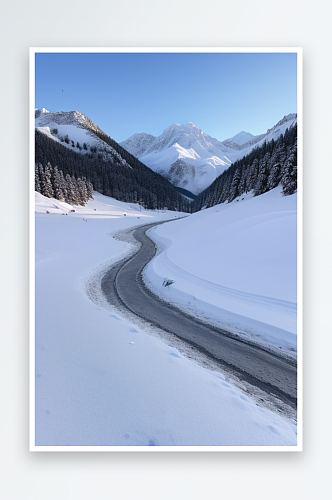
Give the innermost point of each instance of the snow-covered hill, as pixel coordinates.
(235, 265)
(191, 159)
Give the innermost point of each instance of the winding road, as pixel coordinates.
(124, 288)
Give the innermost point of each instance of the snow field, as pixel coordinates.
(74, 133)
(235, 264)
(103, 381)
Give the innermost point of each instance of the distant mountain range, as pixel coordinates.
(191, 159)
(157, 172)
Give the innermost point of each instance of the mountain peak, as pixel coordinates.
(183, 126)
(241, 138)
(190, 158)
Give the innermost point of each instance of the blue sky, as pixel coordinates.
(125, 93)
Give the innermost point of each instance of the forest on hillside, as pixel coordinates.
(131, 182)
(125, 178)
(267, 166)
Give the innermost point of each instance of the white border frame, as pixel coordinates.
(299, 52)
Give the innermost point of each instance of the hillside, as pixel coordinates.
(191, 159)
(75, 145)
(267, 166)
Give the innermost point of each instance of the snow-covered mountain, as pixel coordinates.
(75, 131)
(257, 140)
(78, 147)
(137, 144)
(191, 159)
(184, 154)
(241, 138)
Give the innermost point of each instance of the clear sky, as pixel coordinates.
(125, 93)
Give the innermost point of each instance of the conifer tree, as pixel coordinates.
(82, 192)
(46, 183)
(37, 179)
(262, 177)
(234, 191)
(58, 186)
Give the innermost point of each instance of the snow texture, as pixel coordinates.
(241, 138)
(102, 380)
(78, 129)
(235, 264)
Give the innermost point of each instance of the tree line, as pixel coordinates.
(267, 166)
(121, 175)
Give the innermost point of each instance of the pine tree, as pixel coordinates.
(234, 191)
(274, 175)
(37, 179)
(46, 184)
(252, 175)
(71, 190)
(58, 186)
(289, 175)
(89, 188)
(82, 192)
(243, 180)
(262, 177)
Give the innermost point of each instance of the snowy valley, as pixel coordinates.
(105, 378)
(102, 380)
(183, 154)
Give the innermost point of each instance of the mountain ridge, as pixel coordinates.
(75, 145)
(191, 159)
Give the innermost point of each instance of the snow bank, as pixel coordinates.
(235, 264)
(51, 205)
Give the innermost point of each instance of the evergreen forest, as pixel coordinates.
(267, 166)
(51, 182)
(70, 176)
(129, 181)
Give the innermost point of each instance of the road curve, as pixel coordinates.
(123, 287)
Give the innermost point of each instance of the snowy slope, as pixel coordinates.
(79, 131)
(235, 264)
(103, 381)
(191, 159)
(241, 138)
(137, 144)
(51, 205)
(71, 123)
(184, 154)
(272, 133)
